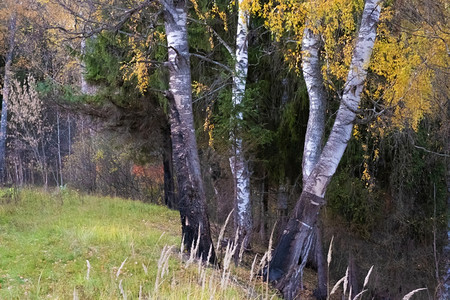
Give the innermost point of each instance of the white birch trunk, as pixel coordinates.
(320, 177)
(293, 248)
(315, 130)
(312, 74)
(191, 195)
(5, 94)
(238, 163)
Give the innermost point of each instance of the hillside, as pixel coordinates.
(64, 245)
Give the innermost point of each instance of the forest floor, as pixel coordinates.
(64, 245)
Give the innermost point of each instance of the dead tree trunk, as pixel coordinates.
(191, 194)
(290, 254)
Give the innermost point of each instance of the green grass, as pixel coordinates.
(47, 238)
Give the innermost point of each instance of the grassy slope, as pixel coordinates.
(45, 240)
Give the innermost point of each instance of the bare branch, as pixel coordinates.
(432, 152)
(100, 26)
(212, 61)
(219, 38)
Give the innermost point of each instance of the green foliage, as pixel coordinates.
(349, 198)
(103, 58)
(418, 179)
(250, 128)
(391, 178)
(288, 145)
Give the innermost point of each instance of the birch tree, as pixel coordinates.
(238, 161)
(312, 73)
(191, 194)
(239, 69)
(191, 200)
(291, 252)
(5, 92)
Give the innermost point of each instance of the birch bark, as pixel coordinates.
(312, 74)
(238, 162)
(191, 195)
(5, 94)
(290, 255)
(315, 130)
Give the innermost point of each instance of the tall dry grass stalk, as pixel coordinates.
(344, 280)
(241, 250)
(222, 230)
(120, 268)
(209, 255)
(330, 251)
(88, 269)
(163, 266)
(229, 253)
(182, 248)
(194, 249)
(268, 257)
(345, 286)
(410, 294)
(366, 281)
(122, 291)
(145, 269)
(252, 271)
(336, 286)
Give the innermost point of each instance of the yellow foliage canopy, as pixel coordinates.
(408, 62)
(405, 60)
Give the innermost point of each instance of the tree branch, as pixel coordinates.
(432, 152)
(212, 61)
(123, 18)
(219, 38)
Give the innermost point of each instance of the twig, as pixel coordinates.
(432, 152)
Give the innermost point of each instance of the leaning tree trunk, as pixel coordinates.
(5, 94)
(238, 162)
(290, 255)
(191, 195)
(312, 73)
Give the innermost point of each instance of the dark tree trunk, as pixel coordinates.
(318, 256)
(352, 275)
(191, 194)
(283, 203)
(292, 251)
(169, 183)
(263, 228)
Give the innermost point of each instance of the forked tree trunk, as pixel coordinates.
(312, 73)
(238, 162)
(5, 94)
(290, 254)
(191, 195)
